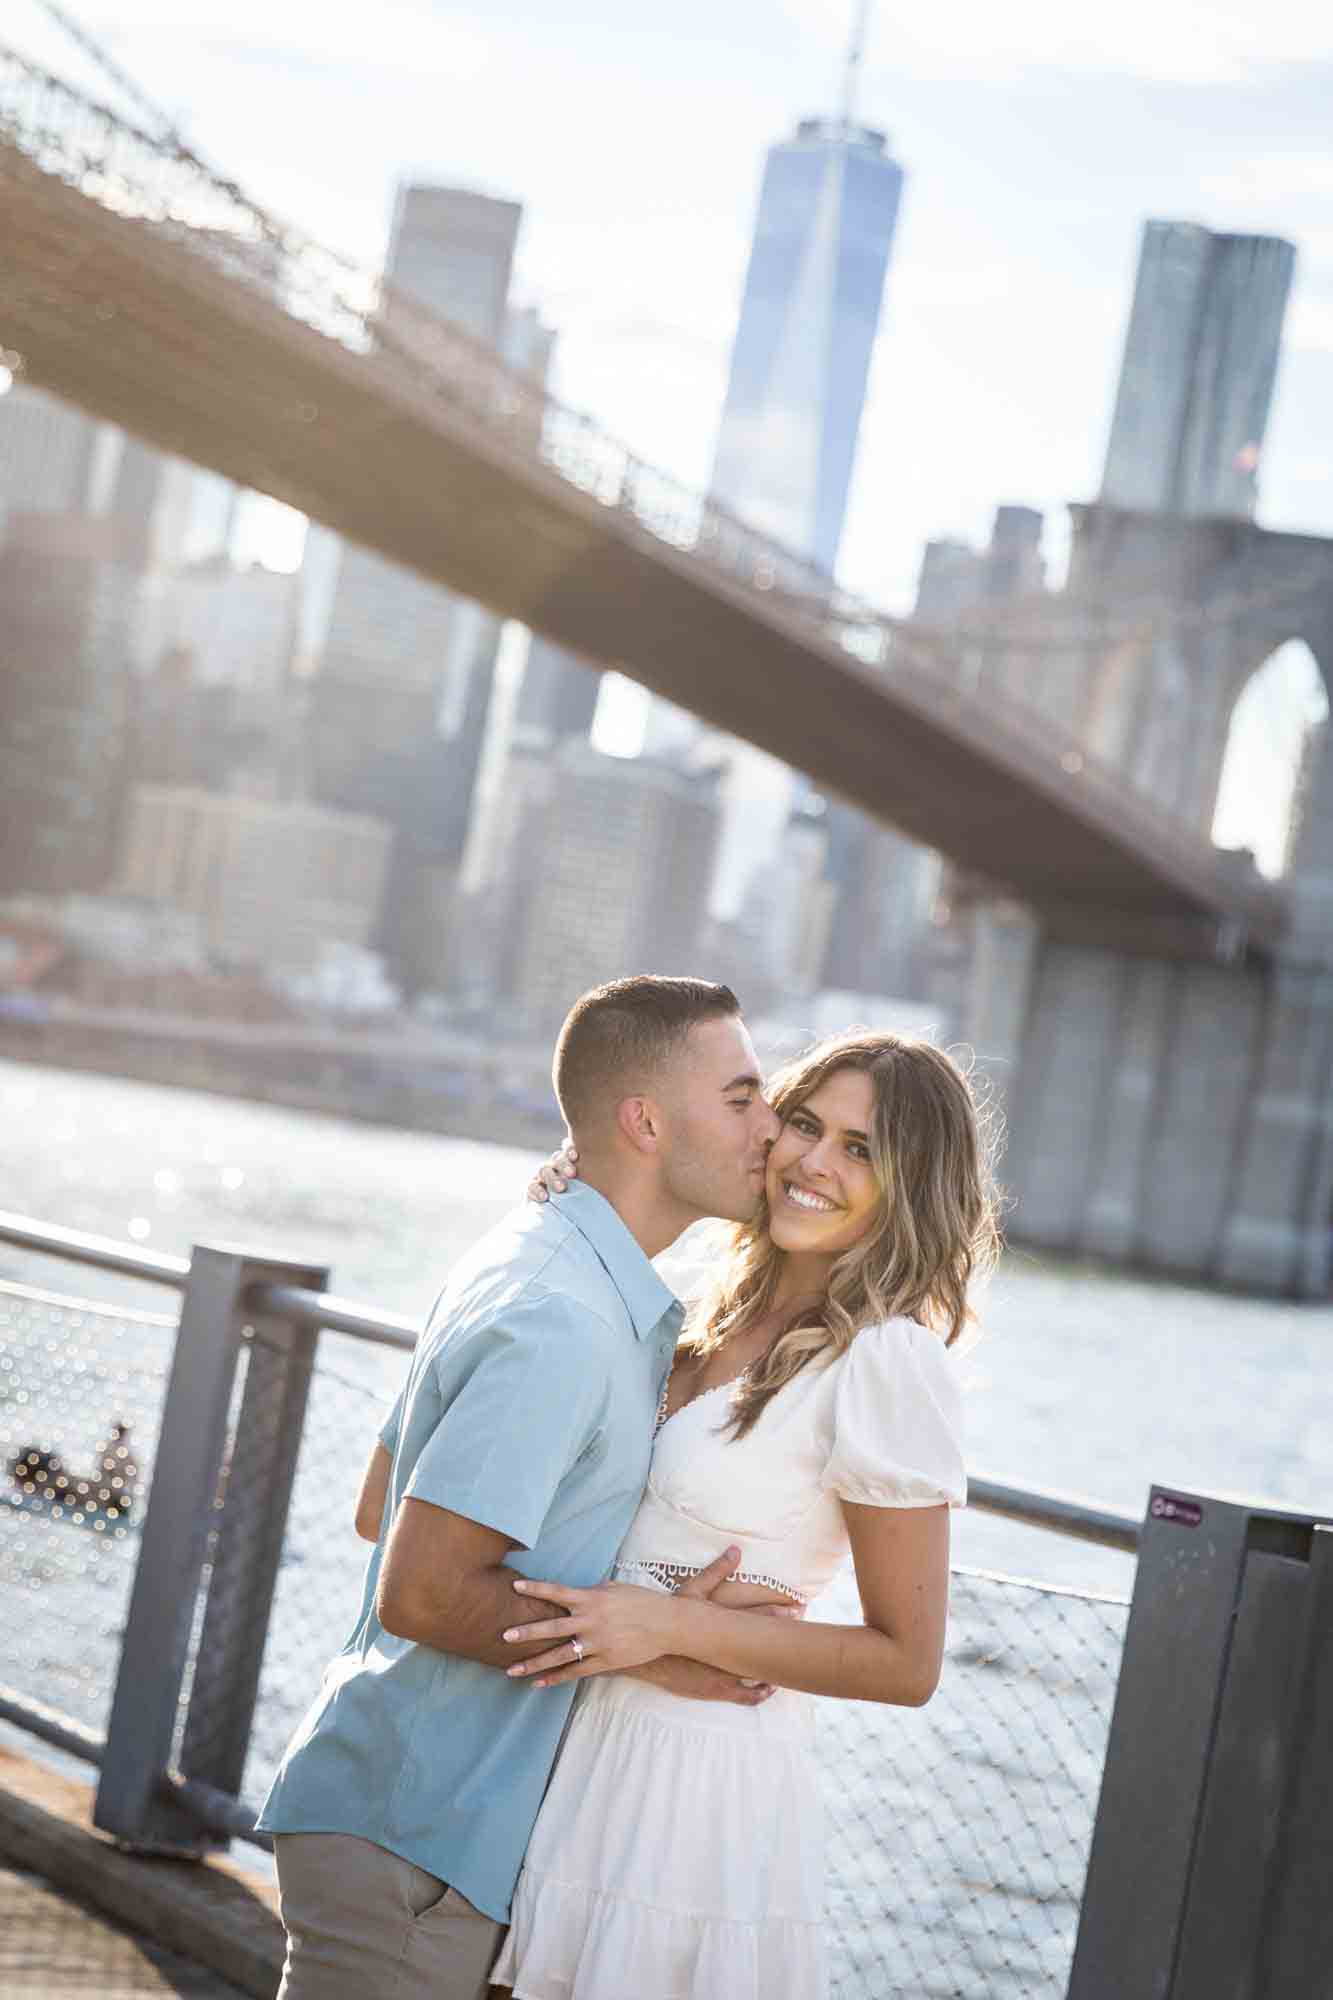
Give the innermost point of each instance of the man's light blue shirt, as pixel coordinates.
(528, 1408)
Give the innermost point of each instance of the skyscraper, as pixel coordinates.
(809, 314)
(55, 459)
(956, 578)
(611, 851)
(828, 205)
(399, 702)
(66, 636)
(1196, 382)
(401, 651)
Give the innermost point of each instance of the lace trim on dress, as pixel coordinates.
(671, 1575)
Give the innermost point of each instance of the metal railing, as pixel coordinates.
(170, 189)
(173, 1628)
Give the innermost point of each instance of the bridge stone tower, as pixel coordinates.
(1164, 1110)
(1169, 1108)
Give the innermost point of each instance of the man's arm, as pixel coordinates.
(444, 1583)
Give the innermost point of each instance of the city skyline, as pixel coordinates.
(1008, 299)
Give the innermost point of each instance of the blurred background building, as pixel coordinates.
(273, 882)
(68, 586)
(1196, 381)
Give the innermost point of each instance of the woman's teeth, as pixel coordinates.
(802, 1198)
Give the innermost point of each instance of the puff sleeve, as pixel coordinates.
(897, 1421)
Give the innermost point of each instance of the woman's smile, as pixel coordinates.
(806, 1198)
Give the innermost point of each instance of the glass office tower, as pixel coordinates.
(1200, 361)
(827, 209)
(787, 443)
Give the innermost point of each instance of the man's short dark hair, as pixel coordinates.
(617, 1037)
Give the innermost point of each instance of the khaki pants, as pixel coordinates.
(363, 1924)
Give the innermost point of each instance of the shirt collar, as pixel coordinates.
(647, 1296)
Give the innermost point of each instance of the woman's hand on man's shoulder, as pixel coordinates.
(554, 1175)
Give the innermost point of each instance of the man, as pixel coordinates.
(520, 1444)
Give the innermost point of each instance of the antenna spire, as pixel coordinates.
(852, 73)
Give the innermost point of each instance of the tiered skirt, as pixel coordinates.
(678, 1855)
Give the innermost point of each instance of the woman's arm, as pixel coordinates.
(374, 1492)
(902, 1572)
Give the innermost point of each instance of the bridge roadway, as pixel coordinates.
(401, 434)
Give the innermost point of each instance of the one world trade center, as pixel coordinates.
(786, 446)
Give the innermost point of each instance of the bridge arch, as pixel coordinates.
(1271, 762)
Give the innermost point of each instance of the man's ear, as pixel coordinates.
(639, 1120)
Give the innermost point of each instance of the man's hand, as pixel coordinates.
(697, 1682)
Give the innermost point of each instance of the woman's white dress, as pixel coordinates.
(678, 1854)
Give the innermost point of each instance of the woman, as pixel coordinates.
(813, 1409)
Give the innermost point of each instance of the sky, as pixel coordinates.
(1036, 137)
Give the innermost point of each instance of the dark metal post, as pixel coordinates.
(1299, 1930)
(255, 1500)
(1192, 1846)
(182, 1509)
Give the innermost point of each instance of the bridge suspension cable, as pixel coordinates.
(110, 68)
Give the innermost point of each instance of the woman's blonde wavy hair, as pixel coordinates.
(936, 1229)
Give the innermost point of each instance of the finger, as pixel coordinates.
(780, 1610)
(717, 1572)
(583, 1673)
(547, 1628)
(554, 1593)
(559, 1656)
(745, 1694)
(537, 1189)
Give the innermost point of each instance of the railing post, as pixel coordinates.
(255, 1500)
(1213, 1825)
(1300, 1919)
(182, 1509)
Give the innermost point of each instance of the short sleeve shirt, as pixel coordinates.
(528, 1408)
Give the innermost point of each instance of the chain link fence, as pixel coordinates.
(958, 1834)
(81, 1392)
